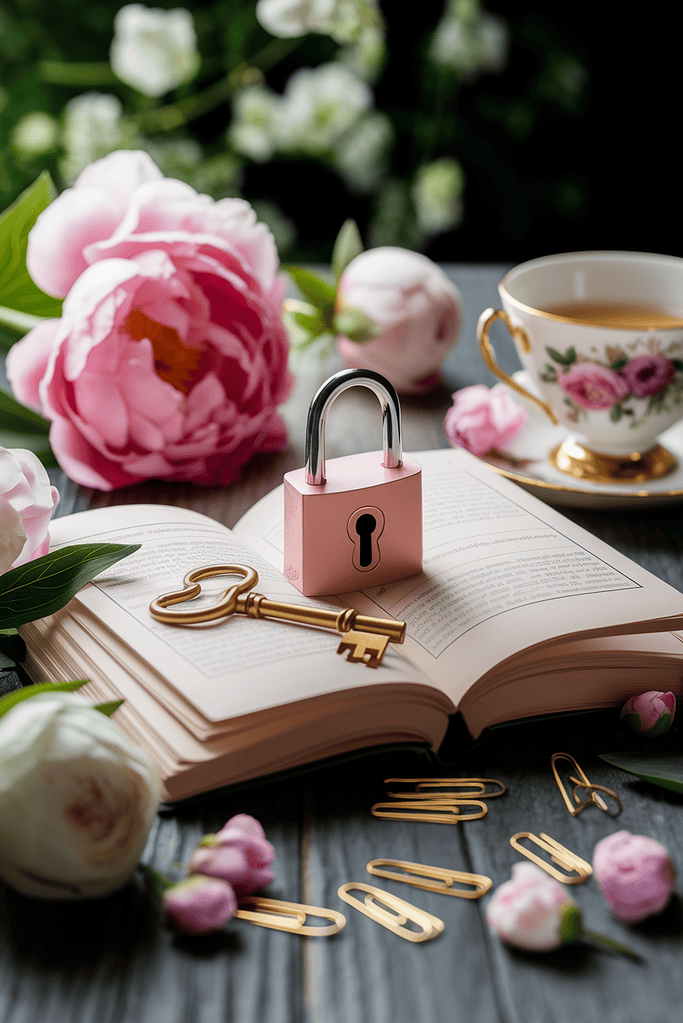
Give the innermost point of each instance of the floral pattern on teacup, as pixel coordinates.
(614, 381)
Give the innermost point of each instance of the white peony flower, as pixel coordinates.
(437, 195)
(34, 134)
(252, 131)
(92, 128)
(154, 50)
(12, 535)
(27, 495)
(77, 799)
(343, 20)
(361, 153)
(318, 106)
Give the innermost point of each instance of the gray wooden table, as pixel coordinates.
(115, 961)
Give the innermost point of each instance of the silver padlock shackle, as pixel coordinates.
(317, 414)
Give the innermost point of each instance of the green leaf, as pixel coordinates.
(316, 289)
(663, 769)
(108, 708)
(46, 584)
(17, 289)
(347, 246)
(567, 359)
(615, 413)
(23, 427)
(18, 323)
(12, 699)
(354, 324)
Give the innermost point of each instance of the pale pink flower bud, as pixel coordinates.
(416, 309)
(533, 911)
(635, 873)
(200, 905)
(650, 713)
(481, 419)
(239, 854)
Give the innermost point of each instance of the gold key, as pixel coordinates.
(365, 637)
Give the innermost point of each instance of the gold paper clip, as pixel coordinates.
(431, 811)
(378, 902)
(558, 854)
(581, 782)
(290, 916)
(433, 879)
(459, 787)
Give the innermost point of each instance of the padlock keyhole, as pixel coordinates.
(365, 527)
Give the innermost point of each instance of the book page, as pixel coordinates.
(502, 571)
(227, 668)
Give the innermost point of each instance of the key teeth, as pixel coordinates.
(364, 648)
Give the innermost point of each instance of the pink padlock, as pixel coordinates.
(357, 522)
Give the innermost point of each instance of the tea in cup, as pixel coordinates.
(601, 335)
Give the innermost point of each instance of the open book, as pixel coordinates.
(518, 612)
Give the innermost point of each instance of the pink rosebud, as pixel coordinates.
(481, 419)
(533, 911)
(649, 714)
(170, 357)
(200, 905)
(648, 374)
(239, 854)
(26, 503)
(592, 386)
(635, 873)
(416, 309)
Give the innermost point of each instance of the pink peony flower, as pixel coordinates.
(592, 386)
(647, 374)
(239, 854)
(649, 714)
(27, 501)
(481, 419)
(416, 309)
(200, 905)
(170, 356)
(533, 911)
(635, 873)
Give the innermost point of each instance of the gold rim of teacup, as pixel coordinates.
(582, 463)
(542, 314)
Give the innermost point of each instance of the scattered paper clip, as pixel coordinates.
(558, 854)
(582, 782)
(392, 912)
(460, 788)
(432, 879)
(290, 916)
(431, 811)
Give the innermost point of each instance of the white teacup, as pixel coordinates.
(601, 334)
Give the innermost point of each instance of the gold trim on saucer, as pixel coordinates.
(582, 463)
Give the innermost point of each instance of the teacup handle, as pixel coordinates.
(488, 317)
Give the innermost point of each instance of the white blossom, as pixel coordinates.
(252, 131)
(437, 195)
(343, 20)
(470, 47)
(318, 106)
(92, 127)
(34, 134)
(154, 50)
(361, 153)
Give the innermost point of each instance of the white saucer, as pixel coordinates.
(525, 460)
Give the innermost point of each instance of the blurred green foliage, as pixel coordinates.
(450, 167)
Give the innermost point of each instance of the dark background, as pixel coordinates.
(547, 169)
